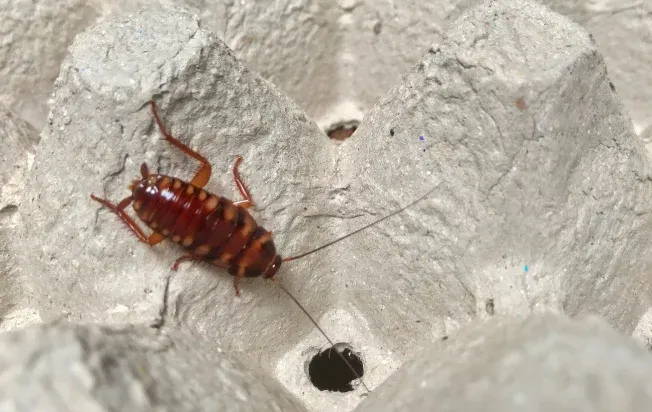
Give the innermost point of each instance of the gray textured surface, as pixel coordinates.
(643, 331)
(615, 25)
(541, 363)
(100, 113)
(67, 368)
(542, 196)
(89, 267)
(18, 141)
(35, 37)
(335, 58)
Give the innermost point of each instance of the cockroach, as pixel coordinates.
(211, 228)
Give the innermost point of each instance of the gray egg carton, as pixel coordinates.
(468, 300)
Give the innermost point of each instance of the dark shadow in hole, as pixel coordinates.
(328, 372)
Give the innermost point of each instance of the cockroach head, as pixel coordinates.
(139, 184)
(273, 268)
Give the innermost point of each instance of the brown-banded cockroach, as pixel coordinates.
(211, 228)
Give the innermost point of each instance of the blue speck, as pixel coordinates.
(421, 138)
(526, 268)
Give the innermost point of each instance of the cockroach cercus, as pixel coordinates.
(211, 228)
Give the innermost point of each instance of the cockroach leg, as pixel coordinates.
(190, 257)
(235, 285)
(203, 175)
(185, 258)
(248, 202)
(152, 240)
(155, 238)
(245, 204)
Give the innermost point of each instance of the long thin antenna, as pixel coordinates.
(363, 227)
(355, 373)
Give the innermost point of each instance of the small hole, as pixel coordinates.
(342, 131)
(328, 372)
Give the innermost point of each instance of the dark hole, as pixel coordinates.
(342, 131)
(328, 372)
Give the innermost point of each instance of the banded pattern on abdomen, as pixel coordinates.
(210, 227)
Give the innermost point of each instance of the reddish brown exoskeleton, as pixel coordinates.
(211, 228)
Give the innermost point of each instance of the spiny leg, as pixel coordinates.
(204, 173)
(248, 202)
(152, 240)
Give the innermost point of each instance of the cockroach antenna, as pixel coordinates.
(428, 193)
(348, 364)
(314, 322)
(209, 227)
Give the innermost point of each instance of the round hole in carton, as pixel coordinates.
(328, 372)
